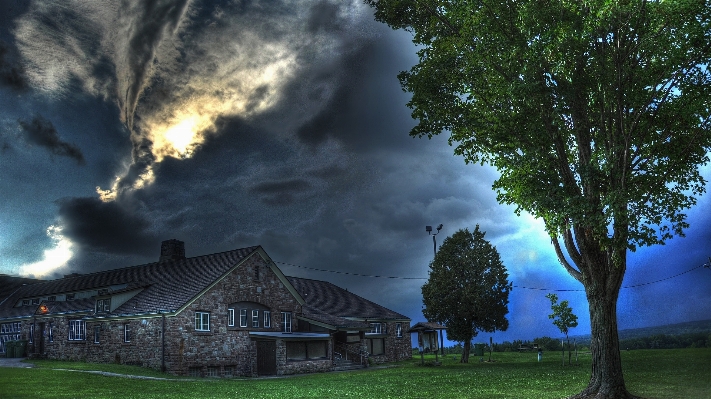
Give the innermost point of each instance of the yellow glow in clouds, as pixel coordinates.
(53, 258)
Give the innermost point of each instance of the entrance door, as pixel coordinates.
(41, 338)
(266, 358)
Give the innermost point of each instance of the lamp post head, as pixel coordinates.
(428, 229)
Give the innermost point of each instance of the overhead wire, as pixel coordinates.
(515, 286)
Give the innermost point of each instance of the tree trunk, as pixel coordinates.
(465, 353)
(606, 381)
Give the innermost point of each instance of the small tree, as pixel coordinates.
(467, 290)
(563, 318)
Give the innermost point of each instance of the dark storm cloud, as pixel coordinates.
(106, 227)
(42, 132)
(324, 15)
(12, 75)
(281, 192)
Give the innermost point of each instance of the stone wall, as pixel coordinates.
(396, 348)
(225, 346)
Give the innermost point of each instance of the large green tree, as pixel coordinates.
(595, 113)
(467, 289)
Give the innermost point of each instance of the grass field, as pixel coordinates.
(658, 374)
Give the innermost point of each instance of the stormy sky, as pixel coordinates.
(277, 123)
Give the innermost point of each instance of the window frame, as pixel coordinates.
(398, 330)
(97, 334)
(267, 318)
(255, 318)
(200, 318)
(230, 317)
(286, 325)
(77, 330)
(376, 328)
(127, 332)
(243, 318)
(32, 333)
(50, 333)
(103, 305)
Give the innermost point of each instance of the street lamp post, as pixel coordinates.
(428, 229)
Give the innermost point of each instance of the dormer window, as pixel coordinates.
(70, 297)
(25, 302)
(51, 298)
(35, 301)
(103, 305)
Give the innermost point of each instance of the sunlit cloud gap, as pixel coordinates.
(53, 258)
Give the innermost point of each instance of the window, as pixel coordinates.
(231, 317)
(51, 298)
(202, 321)
(195, 371)
(32, 333)
(229, 371)
(375, 328)
(255, 318)
(103, 305)
(256, 273)
(9, 332)
(212, 371)
(77, 330)
(376, 346)
(97, 334)
(70, 297)
(25, 302)
(398, 330)
(127, 330)
(300, 350)
(50, 333)
(243, 317)
(267, 318)
(286, 322)
(35, 301)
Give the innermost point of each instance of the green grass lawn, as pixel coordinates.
(677, 373)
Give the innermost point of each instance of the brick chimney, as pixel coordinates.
(172, 250)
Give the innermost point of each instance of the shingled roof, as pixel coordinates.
(335, 301)
(165, 286)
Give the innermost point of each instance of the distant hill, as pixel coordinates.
(689, 327)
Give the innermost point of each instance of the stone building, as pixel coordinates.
(219, 315)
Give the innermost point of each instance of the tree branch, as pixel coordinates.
(572, 271)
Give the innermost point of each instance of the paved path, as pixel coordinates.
(18, 362)
(15, 362)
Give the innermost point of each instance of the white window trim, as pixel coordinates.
(230, 317)
(267, 318)
(243, 317)
(97, 334)
(255, 318)
(77, 330)
(398, 330)
(286, 322)
(32, 333)
(127, 332)
(200, 322)
(376, 328)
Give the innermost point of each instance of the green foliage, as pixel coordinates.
(562, 315)
(596, 114)
(467, 289)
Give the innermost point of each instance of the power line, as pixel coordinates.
(515, 286)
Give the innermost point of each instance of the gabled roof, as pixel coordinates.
(335, 301)
(8, 284)
(426, 327)
(165, 286)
